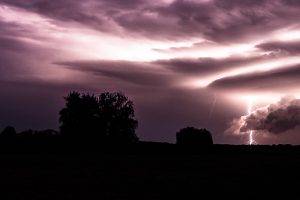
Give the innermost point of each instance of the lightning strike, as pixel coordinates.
(251, 138)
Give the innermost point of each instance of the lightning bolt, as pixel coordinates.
(251, 137)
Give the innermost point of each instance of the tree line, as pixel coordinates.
(106, 118)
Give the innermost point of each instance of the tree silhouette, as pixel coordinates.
(8, 132)
(194, 136)
(109, 117)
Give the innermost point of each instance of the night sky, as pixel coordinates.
(231, 66)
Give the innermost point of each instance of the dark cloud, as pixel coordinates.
(12, 30)
(204, 66)
(219, 21)
(63, 10)
(291, 3)
(282, 78)
(214, 21)
(276, 118)
(291, 47)
(233, 4)
(13, 44)
(161, 72)
(140, 73)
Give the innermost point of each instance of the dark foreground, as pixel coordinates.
(152, 172)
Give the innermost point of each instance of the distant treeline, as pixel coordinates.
(106, 123)
(102, 120)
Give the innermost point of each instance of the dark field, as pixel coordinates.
(221, 171)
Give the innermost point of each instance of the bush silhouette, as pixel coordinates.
(108, 117)
(46, 133)
(8, 132)
(37, 134)
(194, 136)
(26, 133)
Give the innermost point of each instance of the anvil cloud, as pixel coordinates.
(169, 56)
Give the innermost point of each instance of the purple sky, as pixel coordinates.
(231, 66)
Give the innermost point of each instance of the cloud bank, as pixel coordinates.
(284, 78)
(214, 20)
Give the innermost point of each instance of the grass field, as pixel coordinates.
(140, 176)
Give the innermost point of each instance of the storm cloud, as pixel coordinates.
(281, 47)
(220, 21)
(275, 80)
(140, 73)
(204, 66)
(276, 118)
